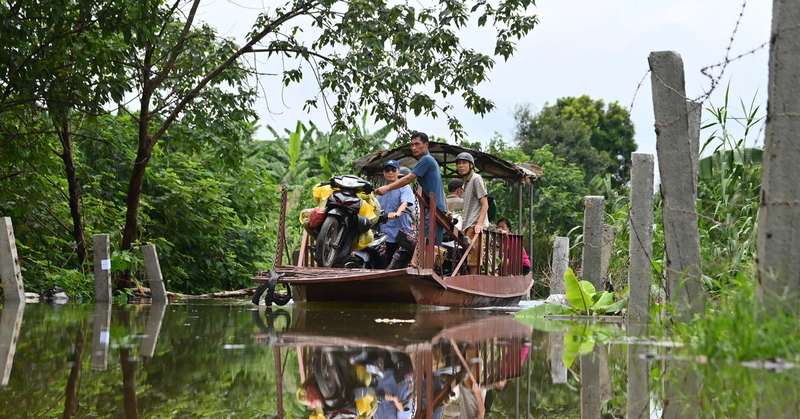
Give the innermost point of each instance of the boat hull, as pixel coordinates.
(403, 286)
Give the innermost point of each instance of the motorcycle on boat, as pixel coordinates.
(342, 222)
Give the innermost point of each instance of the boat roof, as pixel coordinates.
(490, 166)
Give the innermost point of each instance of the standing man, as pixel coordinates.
(394, 203)
(476, 205)
(428, 176)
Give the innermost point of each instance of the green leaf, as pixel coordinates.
(604, 300)
(294, 145)
(544, 310)
(579, 340)
(578, 294)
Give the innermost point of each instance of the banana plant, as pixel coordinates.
(583, 298)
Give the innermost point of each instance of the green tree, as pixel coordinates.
(595, 136)
(367, 54)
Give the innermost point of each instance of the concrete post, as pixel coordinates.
(101, 335)
(641, 238)
(590, 384)
(560, 265)
(695, 110)
(101, 250)
(778, 254)
(10, 322)
(681, 237)
(10, 273)
(593, 209)
(558, 371)
(609, 236)
(681, 391)
(153, 268)
(638, 374)
(152, 329)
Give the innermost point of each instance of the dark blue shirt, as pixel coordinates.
(430, 178)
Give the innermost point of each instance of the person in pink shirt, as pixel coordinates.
(505, 225)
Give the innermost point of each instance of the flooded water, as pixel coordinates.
(232, 360)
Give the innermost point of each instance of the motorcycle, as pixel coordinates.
(342, 221)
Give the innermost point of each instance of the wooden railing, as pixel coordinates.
(506, 247)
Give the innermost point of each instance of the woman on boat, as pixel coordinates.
(505, 225)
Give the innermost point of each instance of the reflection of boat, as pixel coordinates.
(348, 363)
(500, 282)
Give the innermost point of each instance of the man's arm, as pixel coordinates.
(482, 216)
(399, 183)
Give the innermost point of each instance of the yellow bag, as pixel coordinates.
(370, 208)
(304, 222)
(321, 193)
(362, 240)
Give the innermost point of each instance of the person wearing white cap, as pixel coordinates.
(394, 203)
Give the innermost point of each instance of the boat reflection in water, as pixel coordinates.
(361, 365)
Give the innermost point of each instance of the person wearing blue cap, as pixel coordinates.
(427, 175)
(394, 203)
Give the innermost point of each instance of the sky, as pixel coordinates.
(580, 47)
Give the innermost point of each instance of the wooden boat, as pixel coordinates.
(499, 283)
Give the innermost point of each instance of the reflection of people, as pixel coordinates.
(427, 174)
(476, 206)
(396, 388)
(394, 203)
(505, 225)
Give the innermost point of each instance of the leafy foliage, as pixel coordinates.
(596, 137)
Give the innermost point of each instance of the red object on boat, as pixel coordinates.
(315, 217)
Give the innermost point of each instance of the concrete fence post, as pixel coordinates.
(153, 268)
(681, 237)
(10, 323)
(695, 110)
(10, 272)
(591, 269)
(609, 236)
(778, 254)
(638, 386)
(101, 251)
(558, 371)
(590, 384)
(152, 329)
(641, 238)
(101, 335)
(560, 265)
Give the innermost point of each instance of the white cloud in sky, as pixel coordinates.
(598, 48)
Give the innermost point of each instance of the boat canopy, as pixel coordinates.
(490, 166)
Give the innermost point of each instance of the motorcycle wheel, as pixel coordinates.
(332, 375)
(328, 241)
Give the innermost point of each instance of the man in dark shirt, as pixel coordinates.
(426, 173)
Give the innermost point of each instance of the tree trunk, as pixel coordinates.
(71, 396)
(78, 229)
